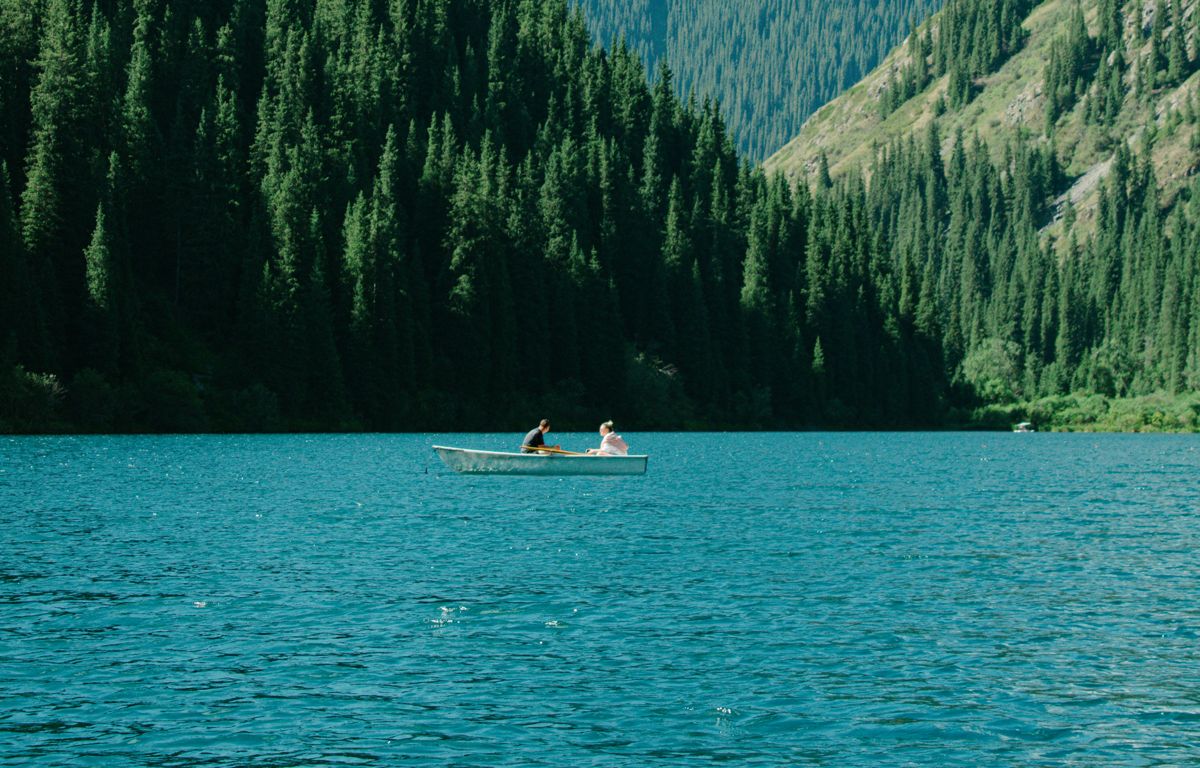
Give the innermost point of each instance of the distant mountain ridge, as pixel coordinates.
(1016, 101)
(771, 63)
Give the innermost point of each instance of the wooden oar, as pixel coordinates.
(547, 449)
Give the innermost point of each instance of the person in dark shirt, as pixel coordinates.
(536, 439)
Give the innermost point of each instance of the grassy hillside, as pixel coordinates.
(1012, 103)
(770, 63)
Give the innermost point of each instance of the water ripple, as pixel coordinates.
(841, 600)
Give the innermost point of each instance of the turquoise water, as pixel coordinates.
(773, 599)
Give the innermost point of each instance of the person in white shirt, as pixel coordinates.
(611, 443)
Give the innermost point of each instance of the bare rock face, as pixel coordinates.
(1025, 108)
(1088, 182)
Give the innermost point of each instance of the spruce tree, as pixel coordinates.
(394, 319)
(1176, 50)
(54, 194)
(138, 126)
(21, 332)
(101, 345)
(677, 257)
(1111, 17)
(1157, 59)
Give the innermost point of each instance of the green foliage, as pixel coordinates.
(1069, 69)
(1111, 19)
(1084, 412)
(253, 409)
(93, 403)
(977, 37)
(30, 402)
(966, 41)
(914, 77)
(1176, 46)
(314, 214)
(1166, 62)
(14, 307)
(992, 368)
(169, 401)
(100, 332)
(770, 64)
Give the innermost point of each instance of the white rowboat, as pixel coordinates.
(500, 463)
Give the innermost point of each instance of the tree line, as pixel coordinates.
(437, 214)
(771, 64)
(973, 39)
(1111, 308)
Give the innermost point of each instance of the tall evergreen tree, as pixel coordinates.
(101, 346)
(55, 195)
(1176, 50)
(19, 317)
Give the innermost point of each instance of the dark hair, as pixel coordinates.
(545, 423)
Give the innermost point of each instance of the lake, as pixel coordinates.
(762, 599)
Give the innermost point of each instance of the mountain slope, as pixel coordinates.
(330, 214)
(1013, 103)
(1032, 169)
(326, 214)
(770, 63)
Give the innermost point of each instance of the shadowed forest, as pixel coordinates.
(463, 214)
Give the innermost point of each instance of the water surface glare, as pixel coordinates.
(762, 599)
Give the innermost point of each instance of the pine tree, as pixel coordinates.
(359, 268)
(1176, 51)
(1068, 69)
(54, 193)
(21, 332)
(1157, 59)
(102, 350)
(137, 122)
(394, 307)
(471, 241)
(819, 374)
(756, 290)
(1112, 24)
(677, 256)
(959, 88)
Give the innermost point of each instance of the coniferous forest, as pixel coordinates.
(770, 63)
(462, 214)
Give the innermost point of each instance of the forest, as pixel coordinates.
(1117, 129)
(770, 63)
(464, 214)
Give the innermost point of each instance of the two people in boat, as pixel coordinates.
(611, 444)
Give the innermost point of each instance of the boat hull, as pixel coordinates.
(498, 463)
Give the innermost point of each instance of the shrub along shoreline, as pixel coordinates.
(35, 403)
(1087, 412)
